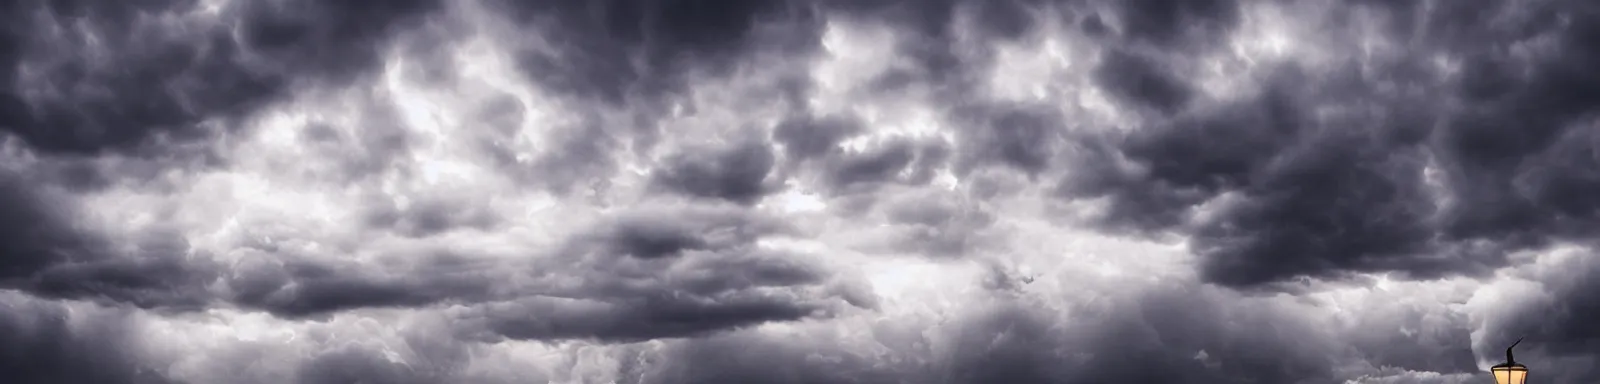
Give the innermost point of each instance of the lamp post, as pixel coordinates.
(1510, 372)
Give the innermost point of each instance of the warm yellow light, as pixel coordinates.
(1510, 375)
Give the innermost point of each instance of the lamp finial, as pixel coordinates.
(1510, 360)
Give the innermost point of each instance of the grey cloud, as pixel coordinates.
(334, 39)
(894, 161)
(1299, 192)
(37, 232)
(1170, 333)
(48, 253)
(1155, 174)
(81, 106)
(582, 158)
(929, 56)
(374, 144)
(79, 94)
(294, 287)
(1561, 344)
(502, 117)
(1169, 329)
(44, 342)
(672, 39)
(1332, 172)
(1335, 213)
(74, 174)
(738, 173)
(928, 35)
(432, 215)
(640, 57)
(158, 277)
(415, 348)
(353, 364)
(1006, 19)
(1400, 376)
(638, 319)
(639, 275)
(1171, 24)
(806, 136)
(1023, 137)
(1093, 26)
(664, 274)
(1142, 80)
(932, 34)
(747, 358)
(1415, 338)
(940, 224)
(654, 233)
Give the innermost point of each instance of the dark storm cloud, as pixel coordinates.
(928, 32)
(1022, 137)
(1158, 337)
(335, 39)
(1294, 191)
(432, 216)
(1141, 80)
(643, 53)
(807, 136)
(94, 174)
(37, 231)
(597, 42)
(1185, 165)
(298, 287)
(157, 275)
(657, 233)
(663, 274)
(48, 253)
(926, 35)
(43, 342)
(641, 274)
(738, 173)
(1005, 19)
(605, 55)
(1170, 333)
(1336, 199)
(1175, 24)
(142, 73)
(1298, 192)
(894, 160)
(933, 56)
(639, 319)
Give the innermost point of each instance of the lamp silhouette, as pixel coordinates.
(1510, 372)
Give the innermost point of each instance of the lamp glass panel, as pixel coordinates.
(1510, 376)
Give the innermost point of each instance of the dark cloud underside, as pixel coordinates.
(167, 80)
(737, 174)
(363, 176)
(1301, 194)
(674, 38)
(39, 345)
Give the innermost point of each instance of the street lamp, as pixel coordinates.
(1510, 372)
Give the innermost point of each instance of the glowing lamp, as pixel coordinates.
(1510, 372)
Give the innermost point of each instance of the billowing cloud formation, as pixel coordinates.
(797, 191)
(1385, 161)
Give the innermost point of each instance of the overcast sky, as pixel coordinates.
(787, 191)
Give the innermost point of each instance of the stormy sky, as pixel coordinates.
(794, 191)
